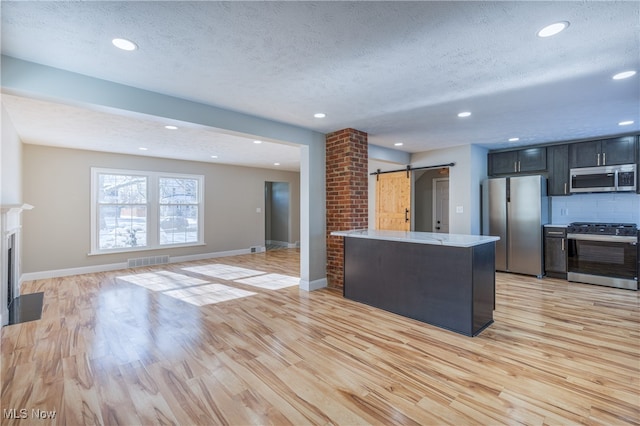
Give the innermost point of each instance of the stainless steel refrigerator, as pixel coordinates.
(516, 209)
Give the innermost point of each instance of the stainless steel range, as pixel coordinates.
(603, 253)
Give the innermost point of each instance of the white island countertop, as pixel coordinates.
(452, 240)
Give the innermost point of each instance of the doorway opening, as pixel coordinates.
(277, 201)
(431, 200)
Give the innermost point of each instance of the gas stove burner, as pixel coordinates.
(625, 229)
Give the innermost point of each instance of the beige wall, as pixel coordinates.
(57, 182)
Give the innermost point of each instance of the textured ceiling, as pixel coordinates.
(399, 71)
(73, 127)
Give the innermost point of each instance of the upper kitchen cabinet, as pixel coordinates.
(606, 152)
(520, 161)
(558, 162)
(501, 163)
(619, 151)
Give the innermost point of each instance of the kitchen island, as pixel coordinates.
(446, 280)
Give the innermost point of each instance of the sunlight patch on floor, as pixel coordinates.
(208, 294)
(271, 281)
(183, 287)
(223, 272)
(162, 280)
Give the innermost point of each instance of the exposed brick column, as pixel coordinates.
(347, 194)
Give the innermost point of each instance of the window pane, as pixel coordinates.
(122, 226)
(178, 224)
(125, 218)
(122, 189)
(178, 191)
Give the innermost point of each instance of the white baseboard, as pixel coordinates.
(277, 243)
(204, 256)
(283, 243)
(313, 285)
(42, 275)
(123, 265)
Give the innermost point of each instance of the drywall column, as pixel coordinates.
(347, 194)
(313, 249)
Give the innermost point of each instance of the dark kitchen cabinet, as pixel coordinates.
(619, 151)
(607, 152)
(555, 252)
(584, 154)
(558, 166)
(518, 161)
(502, 163)
(532, 160)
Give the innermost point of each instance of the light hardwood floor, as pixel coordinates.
(227, 341)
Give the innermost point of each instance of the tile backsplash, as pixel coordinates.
(609, 207)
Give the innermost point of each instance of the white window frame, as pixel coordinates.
(153, 210)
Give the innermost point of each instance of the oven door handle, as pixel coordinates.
(603, 238)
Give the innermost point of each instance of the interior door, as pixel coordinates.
(441, 205)
(393, 201)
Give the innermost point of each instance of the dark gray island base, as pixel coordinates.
(449, 286)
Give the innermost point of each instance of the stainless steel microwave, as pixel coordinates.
(604, 179)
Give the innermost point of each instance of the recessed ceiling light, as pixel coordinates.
(124, 44)
(626, 123)
(553, 29)
(623, 75)
(214, 156)
(257, 142)
(514, 139)
(464, 114)
(171, 127)
(320, 115)
(142, 148)
(398, 144)
(276, 164)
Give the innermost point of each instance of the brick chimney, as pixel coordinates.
(347, 181)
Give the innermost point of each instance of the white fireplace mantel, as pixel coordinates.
(11, 217)
(17, 207)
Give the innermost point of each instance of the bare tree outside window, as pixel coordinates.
(179, 203)
(122, 211)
